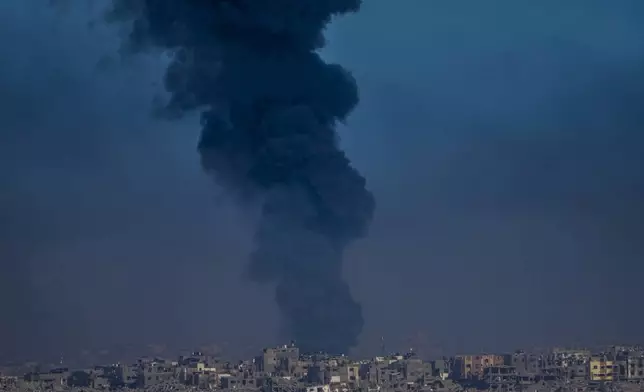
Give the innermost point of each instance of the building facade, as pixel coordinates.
(473, 366)
(601, 368)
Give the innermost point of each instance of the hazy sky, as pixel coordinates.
(504, 145)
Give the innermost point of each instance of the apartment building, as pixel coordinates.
(473, 366)
(600, 368)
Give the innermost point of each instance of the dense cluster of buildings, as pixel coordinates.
(285, 369)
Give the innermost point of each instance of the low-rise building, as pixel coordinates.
(600, 368)
(635, 369)
(473, 366)
(155, 373)
(54, 379)
(500, 377)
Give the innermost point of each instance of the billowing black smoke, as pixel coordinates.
(270, 108)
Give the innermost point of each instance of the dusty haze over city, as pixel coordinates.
(503, 145)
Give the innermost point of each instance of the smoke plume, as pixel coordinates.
(270, 106)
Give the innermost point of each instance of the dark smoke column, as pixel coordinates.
(270, 108)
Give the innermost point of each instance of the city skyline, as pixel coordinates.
(285, 368)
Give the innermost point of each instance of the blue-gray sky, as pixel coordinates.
(503, 143)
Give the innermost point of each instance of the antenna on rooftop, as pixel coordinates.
(382, 346)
